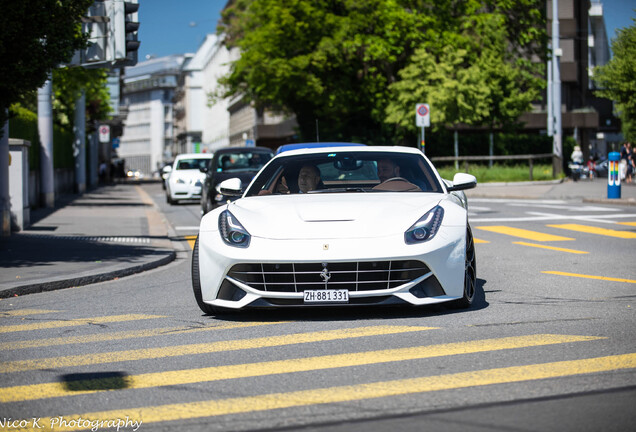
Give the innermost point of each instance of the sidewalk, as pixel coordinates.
(117, 230)
(109, 232)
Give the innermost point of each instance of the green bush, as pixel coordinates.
(23, 124)
(501, 173)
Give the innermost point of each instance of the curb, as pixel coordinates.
(85, 280)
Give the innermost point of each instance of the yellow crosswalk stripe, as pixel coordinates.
(605, 278)
(132, 334)
(523, 233)
(347, 393)
(596, 230)
(75, 322)
(540, 246)
(191, 240)
(24, 312)
(181, 377)
(204, 348)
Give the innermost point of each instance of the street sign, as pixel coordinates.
(115, 143)
(422, 115)
(104, 134)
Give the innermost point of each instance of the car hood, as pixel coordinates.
(323, 216)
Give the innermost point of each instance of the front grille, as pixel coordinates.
(353, 276)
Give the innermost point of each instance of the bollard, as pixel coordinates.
(614, 175)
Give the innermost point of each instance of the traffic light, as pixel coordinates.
(126, 26)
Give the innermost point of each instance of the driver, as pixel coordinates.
(387, 169)
(308, 178)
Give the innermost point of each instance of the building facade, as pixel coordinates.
(147, 95)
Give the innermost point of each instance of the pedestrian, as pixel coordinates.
(591, 168)
(630, 163)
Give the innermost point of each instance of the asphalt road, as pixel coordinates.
(549, 345)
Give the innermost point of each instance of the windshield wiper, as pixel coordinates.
(339, 190)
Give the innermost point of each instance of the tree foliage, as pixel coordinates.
(35, 37)
(67, 86)
(617, 79)
(358, 67)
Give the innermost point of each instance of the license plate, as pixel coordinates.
(326, 296)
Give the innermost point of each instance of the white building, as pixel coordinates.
(203, 125)
(148, 93)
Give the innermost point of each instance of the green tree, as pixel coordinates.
(359, 66)
(479, 73)
(35, 37)
(67, 86)
(322, 60)
(617, 79)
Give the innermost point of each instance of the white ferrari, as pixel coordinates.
(338, 226)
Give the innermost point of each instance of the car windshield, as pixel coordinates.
(241, 161)
(345, 172)
(192, 164)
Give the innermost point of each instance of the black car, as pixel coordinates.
(231, 162)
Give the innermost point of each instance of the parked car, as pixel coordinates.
(338, 226)
(231, 162)
(185, 179)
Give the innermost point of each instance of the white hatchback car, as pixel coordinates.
(186, 178)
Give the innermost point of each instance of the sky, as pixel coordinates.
(179, 26)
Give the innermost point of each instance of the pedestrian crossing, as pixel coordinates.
(99, 373)
(545, 236)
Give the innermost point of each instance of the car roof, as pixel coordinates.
(243, 150)
(296, 146)
(348, 149)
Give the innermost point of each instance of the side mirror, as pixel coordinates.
(203, 169)
(462, 181)
(230, 187)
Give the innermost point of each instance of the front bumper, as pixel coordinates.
(442, 280)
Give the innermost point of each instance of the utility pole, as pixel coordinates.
(45, 127)
(5, 205)
(79, 146)
(557, 138)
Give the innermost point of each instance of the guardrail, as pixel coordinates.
(466, 159)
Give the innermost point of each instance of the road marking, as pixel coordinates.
(605, 278)
(627, 223)
(356, 392)
(476, 240)
(23, 312)
(540, 217)
(132, 334)
(574, 251)
(203, 348)
(191, 376)
(522, 233)
(76, 322)
(191, 240)
(595, 230)
(187, 228)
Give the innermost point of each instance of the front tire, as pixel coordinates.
(196, 282)
(470, 273)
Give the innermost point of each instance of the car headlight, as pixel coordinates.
(232, 232)
(426, 227)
